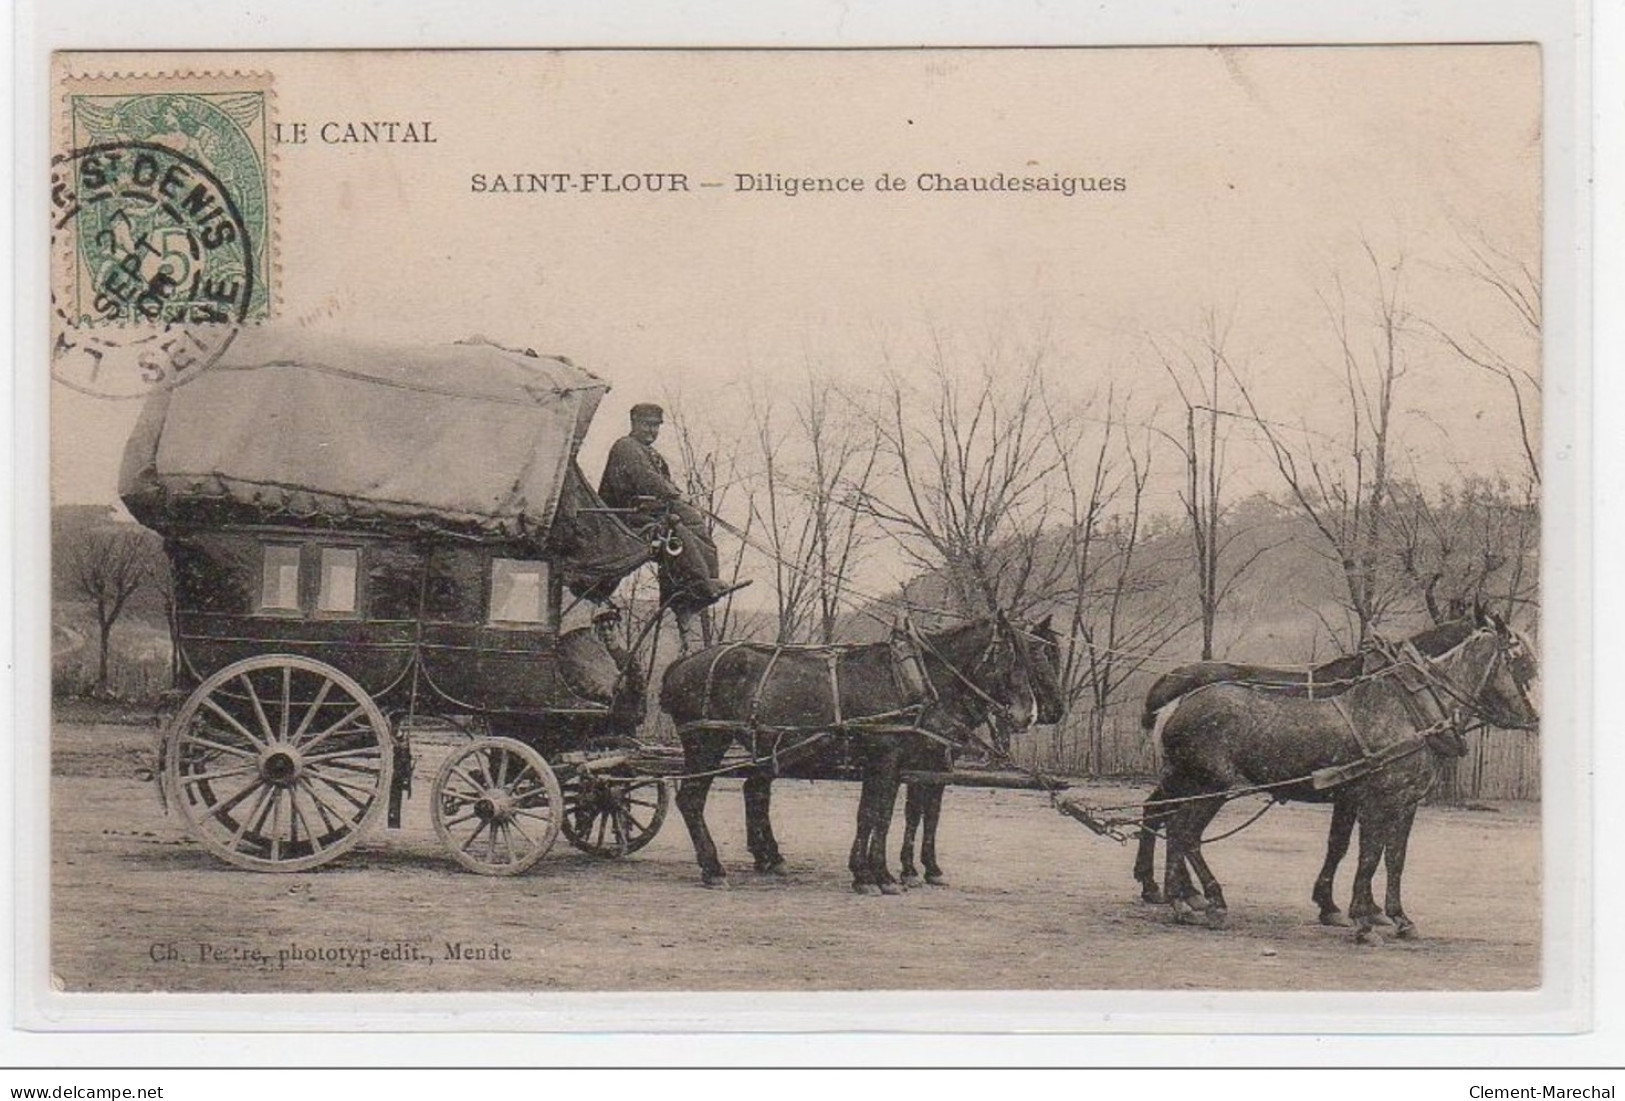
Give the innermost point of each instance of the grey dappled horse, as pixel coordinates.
(1328, 679)
(1400, 718)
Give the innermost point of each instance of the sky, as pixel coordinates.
(1252, 178)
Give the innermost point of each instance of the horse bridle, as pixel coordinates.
(1438, 684)
(997, 710)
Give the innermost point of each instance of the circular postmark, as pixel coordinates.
(152, 268)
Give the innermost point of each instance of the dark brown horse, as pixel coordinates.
(1328, 679)
(922, 803)
(781, 704)
(1383, 734)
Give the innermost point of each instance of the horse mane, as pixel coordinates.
(1443, 637)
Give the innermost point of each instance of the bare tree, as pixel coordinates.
(107, 566)
(714, 481)
(1120, 612)
(1198, 374)
(841, 466)
(786, 528)
(970, 474)
(1473, 541)
(1343, 490)
(1515, 282)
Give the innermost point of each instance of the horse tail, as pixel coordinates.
(1159, 721)
(1164, 692)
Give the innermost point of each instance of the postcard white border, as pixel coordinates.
(855, 1023)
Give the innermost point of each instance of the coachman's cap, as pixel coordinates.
(647, 411)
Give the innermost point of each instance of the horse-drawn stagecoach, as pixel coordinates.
(364, 539)
(365, 542)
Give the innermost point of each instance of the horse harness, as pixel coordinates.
(909, 669)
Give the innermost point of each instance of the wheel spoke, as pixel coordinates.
(298, 819)
(208, 777)
(475, 836)
(340, 754)
(225, 806)
(311, 711)
(477, 787)
(242, 827)
(520, 830)
(353, 713)
(237, 726)
(276, 823)
(236, 750)
(325, 812)
(345, 789)
(287, 701)
(259, 709)
(539, 797)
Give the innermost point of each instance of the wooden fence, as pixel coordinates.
(1500, 764)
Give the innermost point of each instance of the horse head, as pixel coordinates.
(1504, 694)
(1491, 671)
(1042, 648)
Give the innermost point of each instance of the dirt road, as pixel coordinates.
(1036, 902)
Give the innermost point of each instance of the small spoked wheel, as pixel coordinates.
(613, 814)
(278, 763)
(497, 806)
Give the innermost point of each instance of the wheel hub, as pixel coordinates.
(494, 806)
(281, 766)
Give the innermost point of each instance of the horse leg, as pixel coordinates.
(702, 754)
(764, 848)
(1337, 847)
(888, 780)
(1185, 826)
(1404, 927)
(1153, 817)
(1363, 906)
(913, 812)
(857, 862)
(928, 838)
(1198, 816)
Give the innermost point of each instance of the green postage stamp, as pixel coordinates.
(163, 220)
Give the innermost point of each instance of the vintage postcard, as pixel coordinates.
(800, 522)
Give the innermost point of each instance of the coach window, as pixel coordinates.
(336, 590)
(518, 591)
(279, 581)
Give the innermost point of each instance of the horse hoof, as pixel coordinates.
(715, 882)
(1407, 931)
(1152, 895)
(1197, 902)
(913, 880)
(1380, 919)
(866, 889)
(1335, 919)
(1216, 917)
(1183, 913)
(935, 879)
(778, 868)
(893, 889)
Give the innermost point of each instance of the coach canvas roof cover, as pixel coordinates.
(469, 439)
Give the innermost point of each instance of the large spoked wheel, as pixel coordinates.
(613, 814)
(279, 763)
(497, 806)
